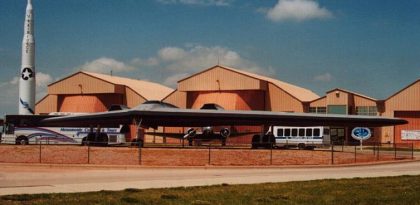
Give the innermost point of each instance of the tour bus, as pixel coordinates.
(301, 137)
(22, 135)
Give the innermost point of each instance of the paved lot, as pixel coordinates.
(19, 179)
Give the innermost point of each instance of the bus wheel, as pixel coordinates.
(22, 140)
(301, 146)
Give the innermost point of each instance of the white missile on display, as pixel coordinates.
(27, 71)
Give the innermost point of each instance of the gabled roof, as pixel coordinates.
(354, 93)
(418, 80)
(302, 94)
(148, 90)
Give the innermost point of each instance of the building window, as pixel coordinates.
(320, 110)
(366, 110)
(337, 109)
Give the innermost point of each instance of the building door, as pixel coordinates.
(338, 135)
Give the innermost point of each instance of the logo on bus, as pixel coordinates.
(361, 133)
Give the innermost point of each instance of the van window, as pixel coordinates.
(317, 132)
(280, 132)
(287, 132)
(309, 132)
(294, 132)
(301, 132)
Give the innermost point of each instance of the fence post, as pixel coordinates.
(332, 153)
(355, 154)
(209, 154)
(395, 151)
(271, 154)
(139, 145)
(88, 144)
(40, 152)
(412, 151)
(377, 151)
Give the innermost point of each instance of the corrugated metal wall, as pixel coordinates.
(337, 98)
(177, 98)
(47, 105)
(219, 79)
(229, 100)
(280, 101)
(132, 99)
(80, 84)
(407, 99)
(322, 102)
(413, 118)
(88, 103)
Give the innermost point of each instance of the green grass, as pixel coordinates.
(385, 190)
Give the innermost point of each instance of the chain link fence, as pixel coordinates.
(135, 153)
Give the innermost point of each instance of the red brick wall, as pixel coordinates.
(62, 154)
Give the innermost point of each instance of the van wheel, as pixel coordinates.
(22, 140)
(255, 141)
(301, 146)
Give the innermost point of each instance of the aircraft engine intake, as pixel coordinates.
(225, 132)
(207, 130)
(191, 132)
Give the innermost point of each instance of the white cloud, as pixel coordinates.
(198, 2)
(172, 53)
(42, 82)
(140, 62)
(186, 61)
(297, 10)
(326, 77)
(172, 80)
(171, 64)
(10, 91)
(106, 65)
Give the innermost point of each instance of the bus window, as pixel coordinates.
(294, 132)
(317, 132)
(301, 132)
(309, 132)
(280, 132)
(287, 133)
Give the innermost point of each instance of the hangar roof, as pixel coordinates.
(149, 90)
(354, 93)
(405, 88)
(299, 93)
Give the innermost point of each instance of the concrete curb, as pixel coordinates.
(94, 166)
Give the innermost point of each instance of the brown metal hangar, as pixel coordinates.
(235, 89)
(86, 92)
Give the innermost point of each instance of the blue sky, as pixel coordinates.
(371, 47)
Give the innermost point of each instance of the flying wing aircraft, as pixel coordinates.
(207, 133)
(155, 113)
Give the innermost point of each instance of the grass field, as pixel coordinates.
(385, 190)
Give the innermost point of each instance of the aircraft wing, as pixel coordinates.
(154, 116)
